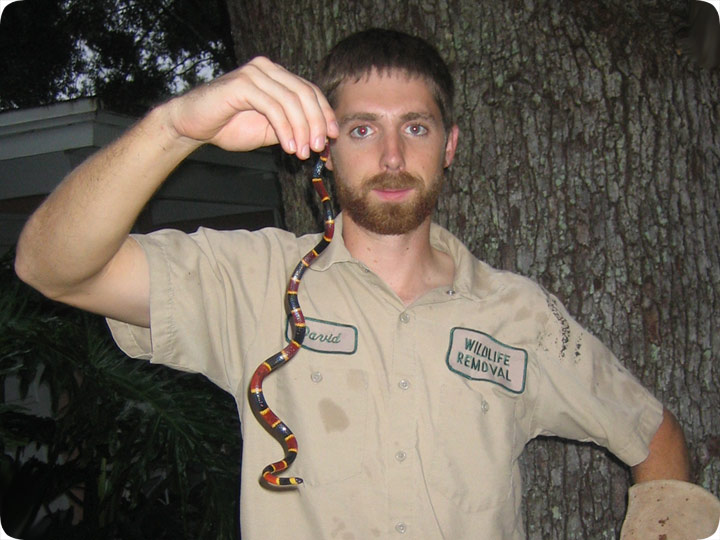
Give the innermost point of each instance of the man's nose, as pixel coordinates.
(393, 152)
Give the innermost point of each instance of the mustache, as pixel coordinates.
(384, 180)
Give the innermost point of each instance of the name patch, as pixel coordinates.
(327, 337)
(480, 357)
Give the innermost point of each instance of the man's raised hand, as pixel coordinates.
(258, 104)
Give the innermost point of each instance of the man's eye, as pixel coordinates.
(416, 129)
(361, 132)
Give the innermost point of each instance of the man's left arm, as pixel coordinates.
(668, 458)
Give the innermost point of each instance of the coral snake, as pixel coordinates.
(259, 406)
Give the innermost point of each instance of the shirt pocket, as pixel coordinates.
(326, 408)
(473, 456)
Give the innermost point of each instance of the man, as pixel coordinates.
(428, 370)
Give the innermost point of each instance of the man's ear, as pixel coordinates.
(451, 145)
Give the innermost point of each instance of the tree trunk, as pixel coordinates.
(588, 161)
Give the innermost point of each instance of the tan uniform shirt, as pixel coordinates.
(410, 420)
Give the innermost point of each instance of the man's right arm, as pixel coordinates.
(75, 248)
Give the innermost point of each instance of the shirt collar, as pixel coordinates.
(466, 269)
(465, 262)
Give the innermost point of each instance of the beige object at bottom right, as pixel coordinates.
(671, 510)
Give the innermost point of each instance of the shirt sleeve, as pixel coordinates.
(586, 394)
(208, 292)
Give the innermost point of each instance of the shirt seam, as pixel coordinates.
(171, 326)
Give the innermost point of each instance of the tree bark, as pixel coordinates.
(588, 161)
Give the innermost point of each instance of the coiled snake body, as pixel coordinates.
(259, 406)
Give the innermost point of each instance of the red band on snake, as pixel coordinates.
(259, 406)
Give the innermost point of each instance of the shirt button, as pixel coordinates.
(450, 292)
(400, 456)
(404, 384)
(404, 317)
(401, 528)
(316, 377)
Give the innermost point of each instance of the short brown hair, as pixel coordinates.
(382, 50)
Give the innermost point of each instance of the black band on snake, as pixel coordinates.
(277, 427)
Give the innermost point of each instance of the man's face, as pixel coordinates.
(389, 158)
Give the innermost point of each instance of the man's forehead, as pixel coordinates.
(382, 88)
(374, 73)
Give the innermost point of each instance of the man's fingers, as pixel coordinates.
(294, 103)
(327, 121)
(257, 105)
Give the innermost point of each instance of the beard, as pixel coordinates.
(390, 218)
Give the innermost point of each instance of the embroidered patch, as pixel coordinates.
(327, 337)
(480, 357)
